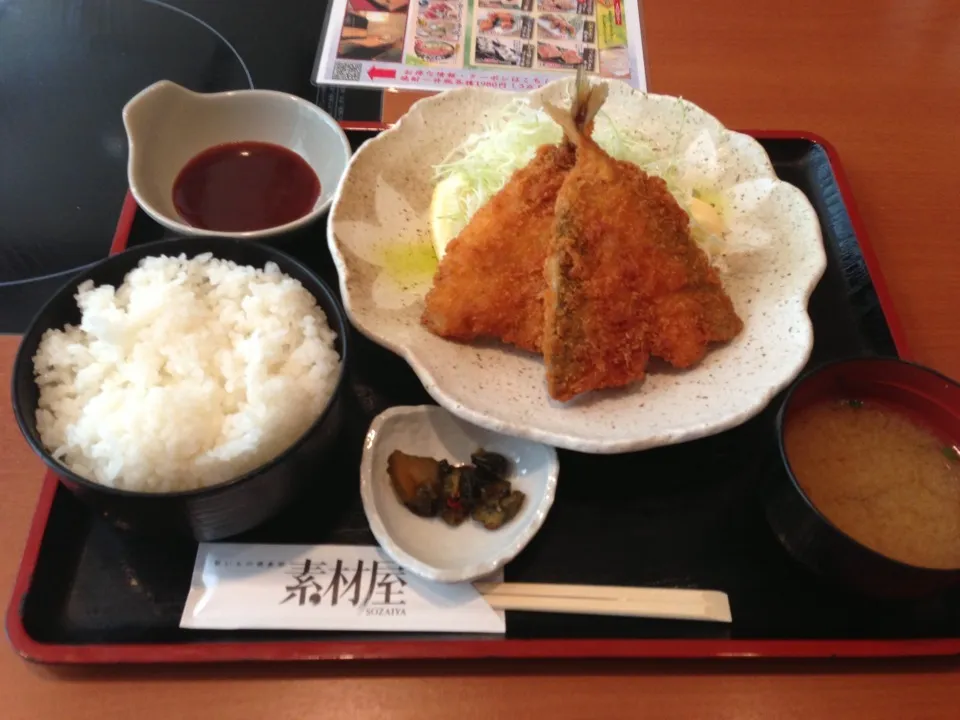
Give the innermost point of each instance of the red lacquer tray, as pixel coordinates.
(74, 603)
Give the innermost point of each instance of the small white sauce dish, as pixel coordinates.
(168, 125)
(429, 547)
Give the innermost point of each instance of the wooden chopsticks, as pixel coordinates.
(665, 603)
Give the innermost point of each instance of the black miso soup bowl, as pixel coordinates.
(221, 510)
(808, 535)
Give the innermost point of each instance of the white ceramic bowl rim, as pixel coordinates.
(415, 565)
(274, 96)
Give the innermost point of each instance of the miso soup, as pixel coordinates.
(885, 480)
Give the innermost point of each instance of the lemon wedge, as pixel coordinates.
(446, 218)
(706, 216)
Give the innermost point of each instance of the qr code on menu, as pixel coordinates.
(347, 71)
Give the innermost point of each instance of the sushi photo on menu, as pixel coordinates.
(566, 35)
(504, 24)
(565, 28)
(494, 51)
(566, 56)
(524, 5)
(438, 21)
(435, 34)
(502, 36)
(563, 6)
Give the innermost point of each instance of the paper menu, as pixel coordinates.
(325, 587)
(504, 44)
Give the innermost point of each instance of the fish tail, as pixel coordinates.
(577, 123)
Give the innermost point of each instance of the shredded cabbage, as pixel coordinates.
(485, 161)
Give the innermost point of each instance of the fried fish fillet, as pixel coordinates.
(490, 281)
(625, 281)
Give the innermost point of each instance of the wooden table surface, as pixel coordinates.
(878, 78)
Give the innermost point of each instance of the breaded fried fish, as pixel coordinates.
(490, 281)
(625, 280)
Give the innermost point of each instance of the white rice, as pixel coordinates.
(192, 372)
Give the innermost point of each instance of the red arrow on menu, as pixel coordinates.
(375, 72)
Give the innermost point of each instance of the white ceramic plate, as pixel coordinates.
(427, 546)
(775, 261)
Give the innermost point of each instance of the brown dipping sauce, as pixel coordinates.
(245, 186)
